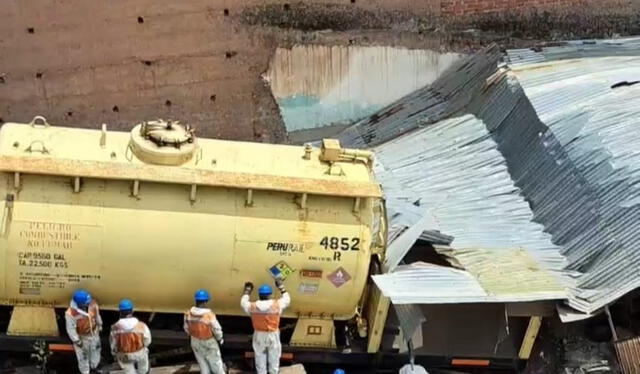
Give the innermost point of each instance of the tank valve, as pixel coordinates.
(332, 151)
(308, 148)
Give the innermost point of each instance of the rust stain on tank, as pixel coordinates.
(303, 227)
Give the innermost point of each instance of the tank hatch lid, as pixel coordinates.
(163, 142)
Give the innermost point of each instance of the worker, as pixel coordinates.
(412, 369)
(129, 340)
(83, 325)
(206, 334)
(265, 317)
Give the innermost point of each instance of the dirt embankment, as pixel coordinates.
(325, 23)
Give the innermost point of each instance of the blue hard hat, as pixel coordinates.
(125, 305)
(82, 297)
(338, 371)
(201, 295)
(265, 289)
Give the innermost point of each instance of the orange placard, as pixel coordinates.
(469, 362)
(60, 347)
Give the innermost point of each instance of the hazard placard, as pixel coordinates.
(339, 277)
(281, 270)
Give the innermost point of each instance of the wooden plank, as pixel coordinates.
(530, 337)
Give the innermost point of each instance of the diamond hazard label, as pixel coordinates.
(339, 277)
(281, 270)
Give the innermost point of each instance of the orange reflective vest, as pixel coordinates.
(129, 341)
(85, 324)
(265, 321)
(200, 327)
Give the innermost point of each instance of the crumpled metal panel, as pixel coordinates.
(594, 210)
(401, 244)
(435, 237)
(433, 156)
(411, 319)
(424, 283)
(568, 144)
(462, 179)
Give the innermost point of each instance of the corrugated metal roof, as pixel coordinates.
(543, 180)
(574, 50)
(461, 178)
(424, 283)
(449, 94)
(592, 212)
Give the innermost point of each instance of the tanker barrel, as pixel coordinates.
(175, 210)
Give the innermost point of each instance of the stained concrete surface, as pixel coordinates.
(317, 85)
(84, 63)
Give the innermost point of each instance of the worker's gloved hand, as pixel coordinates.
(78, 343)
(280, 285)
(248, 288)
(221, 342)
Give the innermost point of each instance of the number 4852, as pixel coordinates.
(345, 244)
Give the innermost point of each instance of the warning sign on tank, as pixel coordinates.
(281, 270)
(47, 256)
(339, 277)
(309, 288)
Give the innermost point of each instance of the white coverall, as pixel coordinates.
(266, 345)
(207, 351)
(135, 362)
(416, 369)
(89, 347)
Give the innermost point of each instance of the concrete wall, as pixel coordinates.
(83, 63)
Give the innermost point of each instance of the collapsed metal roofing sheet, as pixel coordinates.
(575, 50)
(461, 178)
(551, 175)
(590, 106)
(424, 283)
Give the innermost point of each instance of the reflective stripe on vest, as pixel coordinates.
(265, 321)
(129, 341)
(200, 326)
(85, 325)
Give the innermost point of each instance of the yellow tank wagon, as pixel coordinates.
(157, 213)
